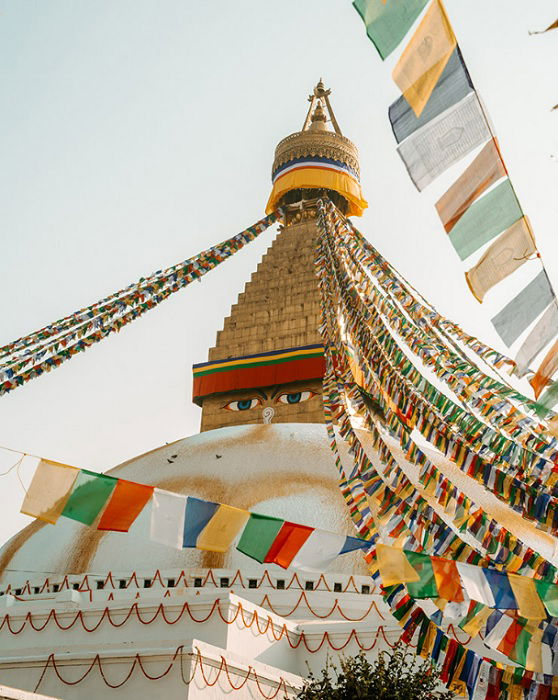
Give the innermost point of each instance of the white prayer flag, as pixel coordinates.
(319, 550)
(167, 518)
(475, 584)
(445, 140)
(541, 335)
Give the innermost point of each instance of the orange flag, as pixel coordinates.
(549, 366)
(447, 579)
(484, 171)
(125, 504)
(425, 57)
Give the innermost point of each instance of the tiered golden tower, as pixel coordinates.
(267, 364)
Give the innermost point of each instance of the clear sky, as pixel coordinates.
(135, 133)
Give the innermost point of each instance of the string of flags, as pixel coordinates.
(437, 121)
(108, 503)
(47, 348)
(373, 323)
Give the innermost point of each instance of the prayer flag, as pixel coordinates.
(497, 634)
(288, 542)
(321, 549)
(454, 84)
(425, 57)
(485, 219)
(476, 619)
(501, 589)
(534, 653)
(554, 25)
(547, 369)
(548, 592)
(89, 495)
(388, 22)
(126, 503)
(221, 530)
(475, 584)
(49, 490)
(258, 536)
(509, 639)
(509, 252)
(394, 566)
(546, 402)
(528, 600)
(436, 146)
(167, 518)
(447, 579)
(484, 171)
(523, 309)
(543, 332)
(426, 587)
(521, 648)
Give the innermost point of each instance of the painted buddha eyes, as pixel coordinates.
(243, 404)
(295, 397)
(287, 398)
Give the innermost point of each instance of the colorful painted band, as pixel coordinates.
(266, 369)
(313, 162)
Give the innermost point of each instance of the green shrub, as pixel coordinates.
(395, 675)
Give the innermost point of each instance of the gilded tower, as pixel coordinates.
(267, 364)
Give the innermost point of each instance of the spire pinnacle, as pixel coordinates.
(320, 110)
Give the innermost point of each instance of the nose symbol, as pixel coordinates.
(268, 414)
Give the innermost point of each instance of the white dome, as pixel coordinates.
(286, 470)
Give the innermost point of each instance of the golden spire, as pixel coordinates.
(320, 108)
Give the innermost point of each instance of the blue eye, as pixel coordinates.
(295, 397)
(242, 404)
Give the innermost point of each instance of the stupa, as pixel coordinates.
(94, 613)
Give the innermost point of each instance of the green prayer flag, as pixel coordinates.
(90, 493)
(387, 21)
(258, 536)
(523, 309)
(426, 587)
(519, 653)
(486, 218)
(548, 593)
(547, 400)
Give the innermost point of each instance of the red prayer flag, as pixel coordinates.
(289, 540)
(125, 504)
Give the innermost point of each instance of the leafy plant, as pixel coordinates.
(395, 675)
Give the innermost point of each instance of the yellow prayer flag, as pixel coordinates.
(425, 57)
(49, 490)
(394, 566)
(525, 592)
(534, 653)
(510, 250)
(474, 626)
(220, 531)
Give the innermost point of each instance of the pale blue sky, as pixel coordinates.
(135, 133)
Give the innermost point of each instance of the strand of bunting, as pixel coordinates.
(511, 609)
(107, 503)
(47, 348)
(439, 120)
(407, 409)
(466, 516)
(483, 453)
(363, 483)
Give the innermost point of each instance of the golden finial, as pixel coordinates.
(316, 117)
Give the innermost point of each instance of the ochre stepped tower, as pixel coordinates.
(267, 364)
